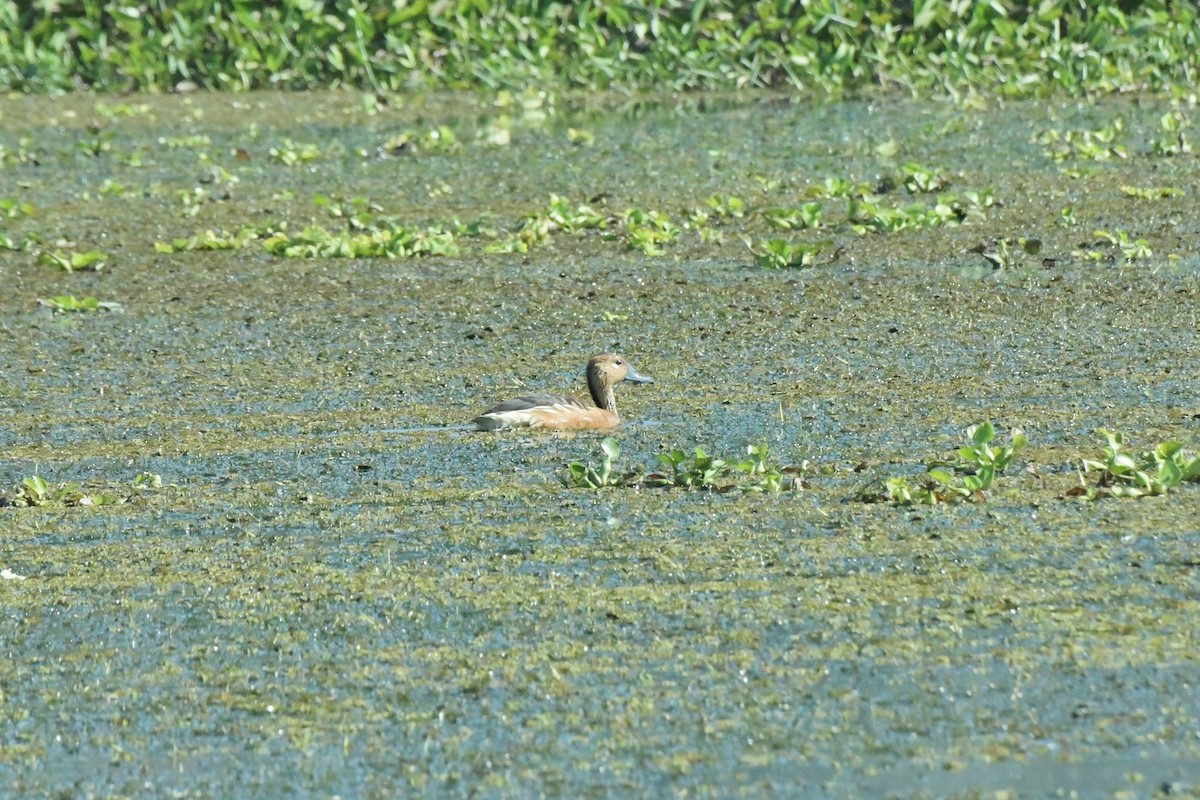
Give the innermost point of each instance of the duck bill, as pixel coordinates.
(633, 376)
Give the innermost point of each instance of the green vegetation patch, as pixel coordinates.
(1014, 48)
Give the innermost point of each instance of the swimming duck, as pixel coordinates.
(556, 412)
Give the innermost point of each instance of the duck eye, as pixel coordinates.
(618, 362)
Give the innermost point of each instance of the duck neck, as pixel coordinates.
(602, 393)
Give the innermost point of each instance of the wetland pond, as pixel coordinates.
(330, 594)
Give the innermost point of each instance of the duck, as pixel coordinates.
(556, 412)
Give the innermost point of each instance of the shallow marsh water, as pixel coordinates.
(329, 598)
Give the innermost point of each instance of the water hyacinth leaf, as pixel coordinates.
(982, 433)
(942, 476)
(1122, 462)
(1169, 473)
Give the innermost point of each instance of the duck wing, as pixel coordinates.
(531, 401)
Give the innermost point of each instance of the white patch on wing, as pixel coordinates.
(505, 419)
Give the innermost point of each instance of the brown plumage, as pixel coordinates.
(556, 412)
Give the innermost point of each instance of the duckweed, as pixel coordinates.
(336, 591)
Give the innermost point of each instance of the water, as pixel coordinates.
(341, 591)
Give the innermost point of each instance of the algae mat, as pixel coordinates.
(258, 565)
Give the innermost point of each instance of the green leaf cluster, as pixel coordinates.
(1146, 475)
(35, 491)
(1014, 48)
(968, 477)
(699, 470)
(582, 475)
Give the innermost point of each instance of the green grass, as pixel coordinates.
(1017, 49)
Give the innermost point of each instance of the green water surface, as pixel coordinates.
(332, 595)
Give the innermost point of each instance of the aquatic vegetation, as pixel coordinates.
(726, 206)
(697, 471)
(762, 476)
(384, 241)
(968, 476)
(954, 49)
(69, 302)
(35, 491)
(112, 188)
(1152, 192)
(439, 139)
(782, 254)
(648, 231)
(804, 217)
(23, 154)
(192, 200)
(358, 212)
(1123, 475)
(147, 480)
(980, 459)
(1084, 145)
(114, 110)
(1131, 249)
(195, 141)
(561, 216)
(11, 207)
(838, 187)
(292, 154)
(208, 240)
(580, 137)
(918, 179)
(96, 143)
(1173, 140)
(582, 475)
(1003, 254)
(949, 209)
(7, 242)
(91, 260)
(703, 471)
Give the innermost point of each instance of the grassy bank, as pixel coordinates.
(923, 48)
